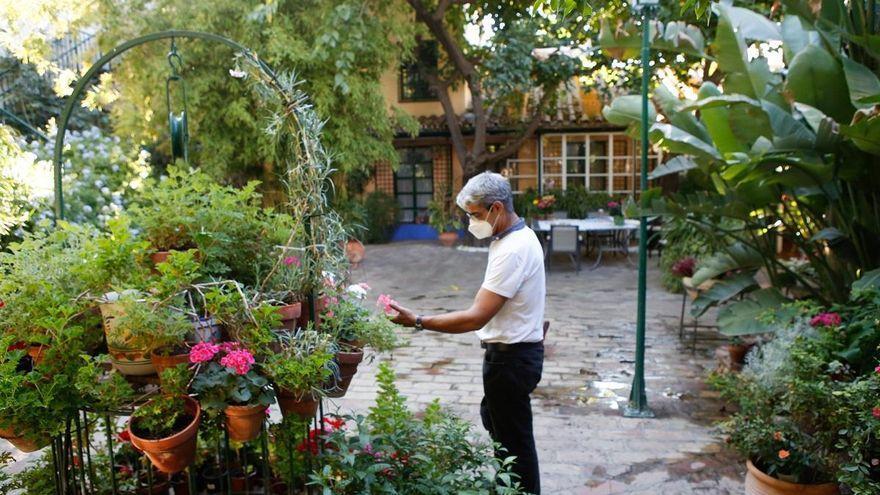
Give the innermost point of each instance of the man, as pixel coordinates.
(507, 314)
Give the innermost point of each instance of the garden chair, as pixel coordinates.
(692, 291)
(565, 239)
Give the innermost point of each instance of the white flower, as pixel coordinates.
(87, 209)
(105, 190)
(99, 183)
(115, 168)
(358, 291)
(237, 73)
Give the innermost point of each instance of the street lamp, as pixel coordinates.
(638, 401)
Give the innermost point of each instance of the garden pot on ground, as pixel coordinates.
(290, 313)
(244, 423)
(168, 358)
(174, 453)
(242, 482)
(348, 362)
(448, 239)
(738, 353)
(23, 444)
(304, 404)
(758, 483)
(355, 252)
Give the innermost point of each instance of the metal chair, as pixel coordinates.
(565, 239)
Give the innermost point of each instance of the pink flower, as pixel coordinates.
(613, 204)
(227, 347)
(684, 267)
(203, 352)
(238, 361)
(385, 301)
(362, 285)
(292, 260)
(826, 320)
(876, 412)
(877, 369)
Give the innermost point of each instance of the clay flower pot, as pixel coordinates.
(348, 362)
(244, 423)
(159, 257)
(162, 361)
(23, 444)
(303, 404)
(758, 483)
(290, 314)
(355, 252)
(172, 454)
(242, 482)
(738, 353)
(37, 352)
(448, 239)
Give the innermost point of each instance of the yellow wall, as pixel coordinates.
(460, 97)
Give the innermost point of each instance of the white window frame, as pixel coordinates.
(609, 175)
(513, 161)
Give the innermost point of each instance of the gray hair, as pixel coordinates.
(485, 189)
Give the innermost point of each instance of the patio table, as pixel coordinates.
(620, 237)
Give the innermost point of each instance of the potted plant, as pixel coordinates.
(135, 326)
(545, 206)
(226, 381)
(165, 428)
(616, 212)
(300, 370)
(443, 216)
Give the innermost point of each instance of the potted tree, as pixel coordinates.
(443, 216)
(300, 370)
(165, 428)
(226, 381)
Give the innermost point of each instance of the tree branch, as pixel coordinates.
(513, 146)
(442, 89)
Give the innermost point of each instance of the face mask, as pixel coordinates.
(481, 229)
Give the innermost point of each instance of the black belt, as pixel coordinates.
(519, 346)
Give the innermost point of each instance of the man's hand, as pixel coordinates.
(404, 316)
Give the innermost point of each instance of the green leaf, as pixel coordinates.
(680, 141)
(863, 84)
(627, 111)
(865, 133)
(680, 163)
(816, 78)
(737, 256)
(742, 317)
(722, 292)
(752, 25)
(868, 281)
(795, 36)
(788, 132)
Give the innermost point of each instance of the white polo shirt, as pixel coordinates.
(516, 271)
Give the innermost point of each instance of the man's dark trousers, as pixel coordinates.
(509, 376)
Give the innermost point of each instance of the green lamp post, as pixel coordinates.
(638, 401)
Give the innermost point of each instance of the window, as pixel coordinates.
(414, 184)
(522, 174)
(602, 162)
(413, 85)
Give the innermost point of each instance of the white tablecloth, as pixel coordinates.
(589, 224)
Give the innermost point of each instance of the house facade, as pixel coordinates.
(573, 147)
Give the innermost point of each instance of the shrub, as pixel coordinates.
(381, 215)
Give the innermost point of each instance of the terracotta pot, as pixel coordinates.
(355, 252)
(180, 483)
(448, 239)
(279, 486)
(37, 352)
(245, 423)
(348, 363)
(172, 454)
(758, 483)
(23, 444)
(290, 314)
(738, 352)
(159, 257)
(244, 483)
(304, 405)
(161, 362)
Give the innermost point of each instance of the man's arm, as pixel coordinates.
(486, 305)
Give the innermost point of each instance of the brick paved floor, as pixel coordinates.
(585, 445)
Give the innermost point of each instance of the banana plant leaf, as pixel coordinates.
(870, 280)
(737, 256)
(744, 317)
(817, 79)
(680, 163)
(722, 292)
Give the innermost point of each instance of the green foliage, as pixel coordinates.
(219, 385)
(381, 215)
(146, 324)
(349, 322)
(102, 390)
(808, 394)
(682, 240)
(166, 414)
(390, 451)
(304, 363)
(444, 214)
(339, 49)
